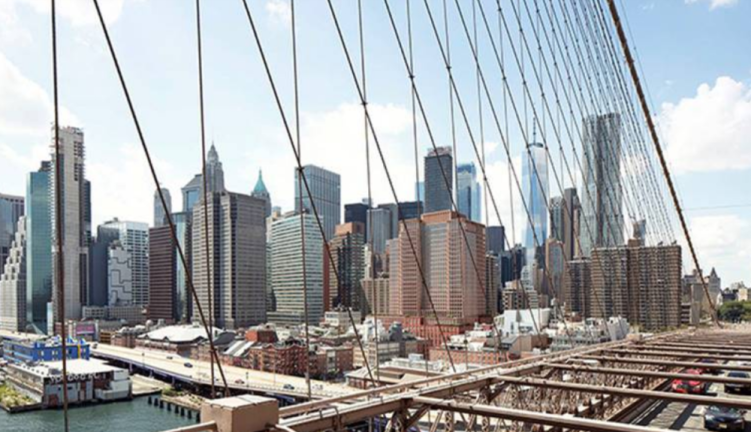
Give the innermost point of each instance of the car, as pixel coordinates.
(288, 387)
(239, 381)
(738, 388)
(188, 365)
(724, 418)
(169, 357)
(689, 385)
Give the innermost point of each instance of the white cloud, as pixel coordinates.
(26, 108)
(279, 12)
(714, 4)
(722, 241)
(77, 12)
(125, 189)
(710, 131)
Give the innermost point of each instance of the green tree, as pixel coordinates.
(735, 311)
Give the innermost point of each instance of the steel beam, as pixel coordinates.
(632, 393)
(557, 421)
(677, 354)
(694, 346)
(685, 364)
(651, 374)
(690, 349)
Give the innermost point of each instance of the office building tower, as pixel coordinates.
(640, 283)
(38, 248)
(565, 212)
(348, 255)
(381, 221)
(11, 209)
(287, 267)
(193, 191)
(160, 214)
(325, 188)
(183, 297)
(493, 298)
(420, 192)
(512, 262)
(133, 238)
(458, 292)
(409, 210)
(13, 283)
(535, 191)
(468, 192)
(601, 200)
(119, 275)
(439, 178)
(394, 212)
(496, 237)
(260, 191)
(235, 270)
(75, 193)
(555, 266)
(356, 212)
(163, 301)
(577, 287)
(99, 264)
(377, 296)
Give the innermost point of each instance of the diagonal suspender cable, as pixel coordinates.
(288, 132)
(299, 188)
(154, 176)
(658, 149)
(60, 259)
(205, 189)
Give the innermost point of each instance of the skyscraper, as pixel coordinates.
(159, 213)
(99, 265)
(601, 200)
(535, 190)
(437, 194)
(469, 192)
(496, 237)
(75, 223)
(325, 188)
(11, 209)
(237, 253)
(183, 297)
(381, 220)
(192, 192)
(260, 191)
(163, 301)
(451, 278)
(134, 242)
(565, 212)
(287, 269)
(38, 247)
(348, 254)
(13, 283)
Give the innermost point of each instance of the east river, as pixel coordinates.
(131, 416)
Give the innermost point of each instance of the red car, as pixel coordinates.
(689, 385)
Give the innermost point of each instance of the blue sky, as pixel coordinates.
(694, 54)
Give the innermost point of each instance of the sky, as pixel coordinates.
(693, 55)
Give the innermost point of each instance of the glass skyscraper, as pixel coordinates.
(39, 247)
(159, 212)
(11, 209)
(469, 191)
(601, 200)
(437, 195)
(325, 188)
(535, 191)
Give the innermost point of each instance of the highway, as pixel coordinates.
(238, 378)
(682, 416)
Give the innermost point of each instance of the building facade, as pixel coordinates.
(235, 272)
(133, 238)
(163, 300)
(439, 178)
(160, 213)
(468, 192)
(348, 266)
(326, 195)
(601, 200)
(39, 248)
(13, 283)
(75, 193)
(535, 192)
(11, 209)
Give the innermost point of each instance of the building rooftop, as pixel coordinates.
(74, 366)
(179, 333)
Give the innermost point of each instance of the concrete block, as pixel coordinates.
(245, 413)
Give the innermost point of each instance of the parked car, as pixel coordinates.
(738, 388)
(239, 381)
(169, 357)
(288, 387)
(188, 365)
(724, 418)
(689, 385)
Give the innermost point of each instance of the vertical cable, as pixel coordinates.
(205, 189)
(58, 223)
(455, 180)
(300, 196)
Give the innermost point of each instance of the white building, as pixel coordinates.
(13, 283)
(133, 253)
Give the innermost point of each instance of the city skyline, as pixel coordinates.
(721, 84)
